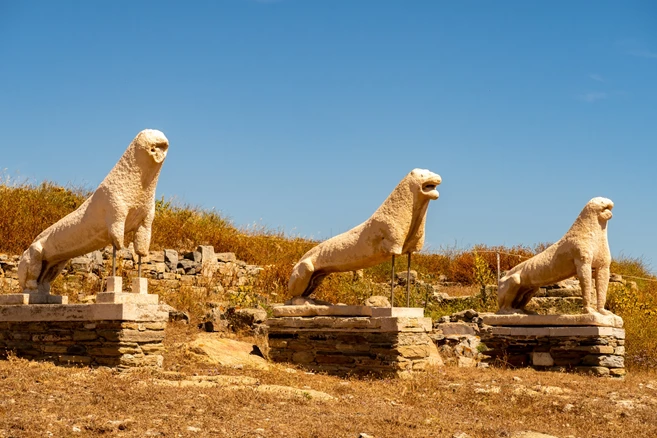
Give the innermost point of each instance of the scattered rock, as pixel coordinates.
(81, 264)
(288, 391)
(531, 434)
(245, 319)
(491, 390)
(225, 257)
(402, 277)
(174, 315)
(213, 350)
(466, 316)
(377, 301)
(215, 321)
(171, 259)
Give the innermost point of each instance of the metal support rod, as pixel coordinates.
(113, 261)
(139, 266)
(408, 282)
(498, 267)
(392, 283)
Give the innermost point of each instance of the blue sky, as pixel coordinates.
(304, 115)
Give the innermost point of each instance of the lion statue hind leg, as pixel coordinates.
(315, 280)
(507, 292)
(30, 267)
(49, 272)
(300, 279)
(523, 297)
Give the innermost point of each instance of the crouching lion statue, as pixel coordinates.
(581, 250)
(396, 227)
(124, 202)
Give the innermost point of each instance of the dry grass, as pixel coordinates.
(40, 400)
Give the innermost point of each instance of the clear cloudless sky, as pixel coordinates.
(303, 115)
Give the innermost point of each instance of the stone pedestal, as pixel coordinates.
(115, 294)
(593, 349)
(115, 335)
(114, 284)
(383, 345)
(139, 285)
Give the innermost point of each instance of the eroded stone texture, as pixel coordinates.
(395, 228)
(81, 335)
(594, 350)
(593, 319)
(583, 249)
(124, 202)
(355, 345)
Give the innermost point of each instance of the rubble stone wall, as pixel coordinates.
(110, 343)
(114, 335)
(341, 350)
(594, 350)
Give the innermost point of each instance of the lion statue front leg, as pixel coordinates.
(601, 285)
(584, 274)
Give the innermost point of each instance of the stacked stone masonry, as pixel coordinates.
(594, 350)
(352, 345)
(202, 269)
(89, 341)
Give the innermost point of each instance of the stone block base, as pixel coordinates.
(32, 298)
(353, 345)
(589, 349)
(127, 298)
(114, 335)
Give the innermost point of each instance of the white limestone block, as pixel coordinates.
(140, 285)
(114, 284)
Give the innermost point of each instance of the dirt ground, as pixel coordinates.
(188, 399)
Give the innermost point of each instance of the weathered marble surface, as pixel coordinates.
(581, 250)
(587, 319)
(124, 202)
(395, 228)
(339, 310)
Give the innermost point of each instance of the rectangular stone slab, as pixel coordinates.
(567, 331)
(126, 298)
(28, 298)
(586, 319)
(315, 310)
(406, 312)
(14, 299)
(82, 312)
(353, 324)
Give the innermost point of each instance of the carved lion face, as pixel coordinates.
(602, 207)
(427, 182)
(154, 143)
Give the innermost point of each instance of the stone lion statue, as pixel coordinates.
(123, 202)
(396, 227)
(582, 250)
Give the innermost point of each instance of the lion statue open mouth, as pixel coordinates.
(396, 227)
